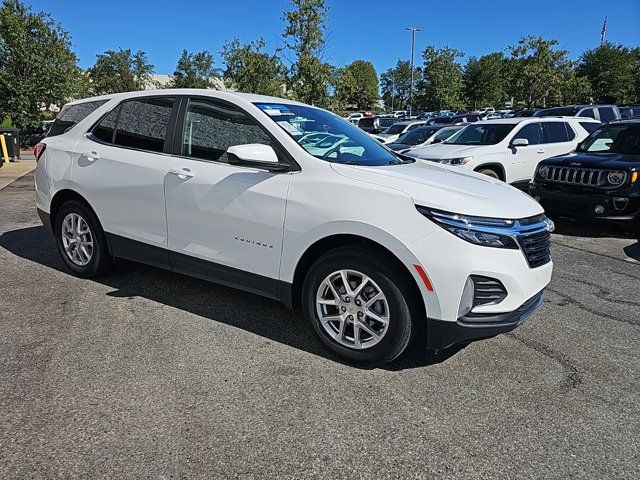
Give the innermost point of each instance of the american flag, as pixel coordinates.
(603, 32)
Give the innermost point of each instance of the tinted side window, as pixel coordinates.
(606, 114)
(70, 115)
(590, 127)
(143, 123)
(556, 132)
(211, 127)
(104, 129)
(531, 132)
(587, 112)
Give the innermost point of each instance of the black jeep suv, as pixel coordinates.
(598, 180)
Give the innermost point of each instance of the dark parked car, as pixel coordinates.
(422, 136)
(452, 120)
(630, 111)
(529, 112)
(598, 180)
(376, 124)
(602, 113)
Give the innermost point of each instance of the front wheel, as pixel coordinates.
(356, 306)
(489, 173)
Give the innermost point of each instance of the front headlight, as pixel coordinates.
(543, 171)
(456, 161)
(617, 177)
(487, 232)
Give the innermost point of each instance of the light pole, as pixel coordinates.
(413, 31)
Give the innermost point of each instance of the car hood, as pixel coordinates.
(595, 160)
(449, 150)
(448, 188)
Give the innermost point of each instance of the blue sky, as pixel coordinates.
(362, 29)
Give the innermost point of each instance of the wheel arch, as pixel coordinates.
(62, 196)
(496, 167)
(323, 245)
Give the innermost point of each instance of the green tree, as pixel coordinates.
(248, 68)
(484, 80)
(120, 71)
(357, 84)
(309, 76)
(576, 89)
(37, 66)
(194, 70)
(536, 70)
(441, 85)
(612, 71)
(395, 84)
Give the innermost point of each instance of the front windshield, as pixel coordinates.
(417, 136)
(327, 136)
(484, 134)
(620, 139)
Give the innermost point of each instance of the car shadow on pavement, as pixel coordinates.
(587, 229)
(261, 316)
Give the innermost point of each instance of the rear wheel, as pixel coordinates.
(81, 240)
(355, 304)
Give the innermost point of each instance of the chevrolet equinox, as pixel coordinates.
(294, 203)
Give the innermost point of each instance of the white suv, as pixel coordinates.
(509, 149)
(291, 202)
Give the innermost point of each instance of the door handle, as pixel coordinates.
(540, 151)
(182, 173)
(91, 156)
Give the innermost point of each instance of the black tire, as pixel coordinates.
(403, 310)
(101, 260)
(489, 172)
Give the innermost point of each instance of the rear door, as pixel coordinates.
(523, 160)
(121, 165)
(225, 221)
(559, 138)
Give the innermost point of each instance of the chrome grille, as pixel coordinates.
(536, 247)
(576, 175)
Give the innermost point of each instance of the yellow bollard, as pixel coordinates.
(5, 152)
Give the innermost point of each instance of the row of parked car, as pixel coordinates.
(580, 161)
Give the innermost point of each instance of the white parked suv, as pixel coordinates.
(291, 202)
(509, 149)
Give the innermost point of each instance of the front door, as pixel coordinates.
(524, 160)
(225, 222)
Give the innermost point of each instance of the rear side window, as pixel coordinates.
(590, 127)
(105, 128)
(70, 115)
(212, 127)
(557, 132)
(532, 132)
(606, 114)
(587, 112)
(142, 123)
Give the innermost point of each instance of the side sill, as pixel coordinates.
(141, 252)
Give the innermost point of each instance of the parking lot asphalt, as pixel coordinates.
(147, 374)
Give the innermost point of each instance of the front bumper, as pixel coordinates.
(471, 327)
(577, 202)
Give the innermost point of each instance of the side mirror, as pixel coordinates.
(254, 155)
(520, 142)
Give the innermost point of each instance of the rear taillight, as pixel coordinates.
(39, 150)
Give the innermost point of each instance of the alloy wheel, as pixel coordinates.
(77, 239)
(352, 309)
